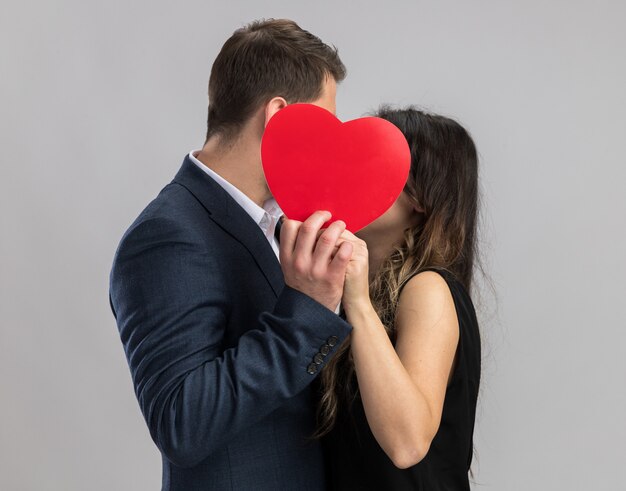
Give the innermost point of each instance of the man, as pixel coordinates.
(221, 343)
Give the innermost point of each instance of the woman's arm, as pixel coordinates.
(403, 389)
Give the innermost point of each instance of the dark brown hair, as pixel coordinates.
(266, 59)
(443, 182)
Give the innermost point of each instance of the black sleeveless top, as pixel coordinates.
(355, 460)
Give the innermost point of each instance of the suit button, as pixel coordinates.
(332, 341)
(325, 349)
(318, 359)
(312, 368)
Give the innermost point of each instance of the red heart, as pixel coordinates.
(312, 161)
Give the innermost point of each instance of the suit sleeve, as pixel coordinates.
(171, 313)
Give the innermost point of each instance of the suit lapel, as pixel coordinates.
(231, 217)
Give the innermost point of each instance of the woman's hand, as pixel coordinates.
(356, 286)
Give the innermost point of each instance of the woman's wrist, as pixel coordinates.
(359, 313)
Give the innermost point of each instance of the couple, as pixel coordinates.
(273, 354)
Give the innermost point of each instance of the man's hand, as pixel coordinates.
(314, 265)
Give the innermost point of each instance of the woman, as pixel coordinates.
(397, 402)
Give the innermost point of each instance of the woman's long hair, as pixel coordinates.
(443, 182)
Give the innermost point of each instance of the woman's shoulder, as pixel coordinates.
(434, 278)
(425, 296)
(428, 281)
(424, 282)
(433, 287)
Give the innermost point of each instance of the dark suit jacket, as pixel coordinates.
(219, 348)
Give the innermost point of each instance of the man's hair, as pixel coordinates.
(266, 59)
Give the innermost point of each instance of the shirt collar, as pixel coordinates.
(258, 214)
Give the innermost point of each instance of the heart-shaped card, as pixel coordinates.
(312, 161)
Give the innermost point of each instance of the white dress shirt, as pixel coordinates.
(266, 217)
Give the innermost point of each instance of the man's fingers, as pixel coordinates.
(288, 235)
(326, 242)
(307, 234)
(342, 258)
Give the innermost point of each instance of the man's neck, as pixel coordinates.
(238, 163)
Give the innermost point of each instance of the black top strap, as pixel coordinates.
(444, 272)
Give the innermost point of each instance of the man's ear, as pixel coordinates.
(272, 107)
